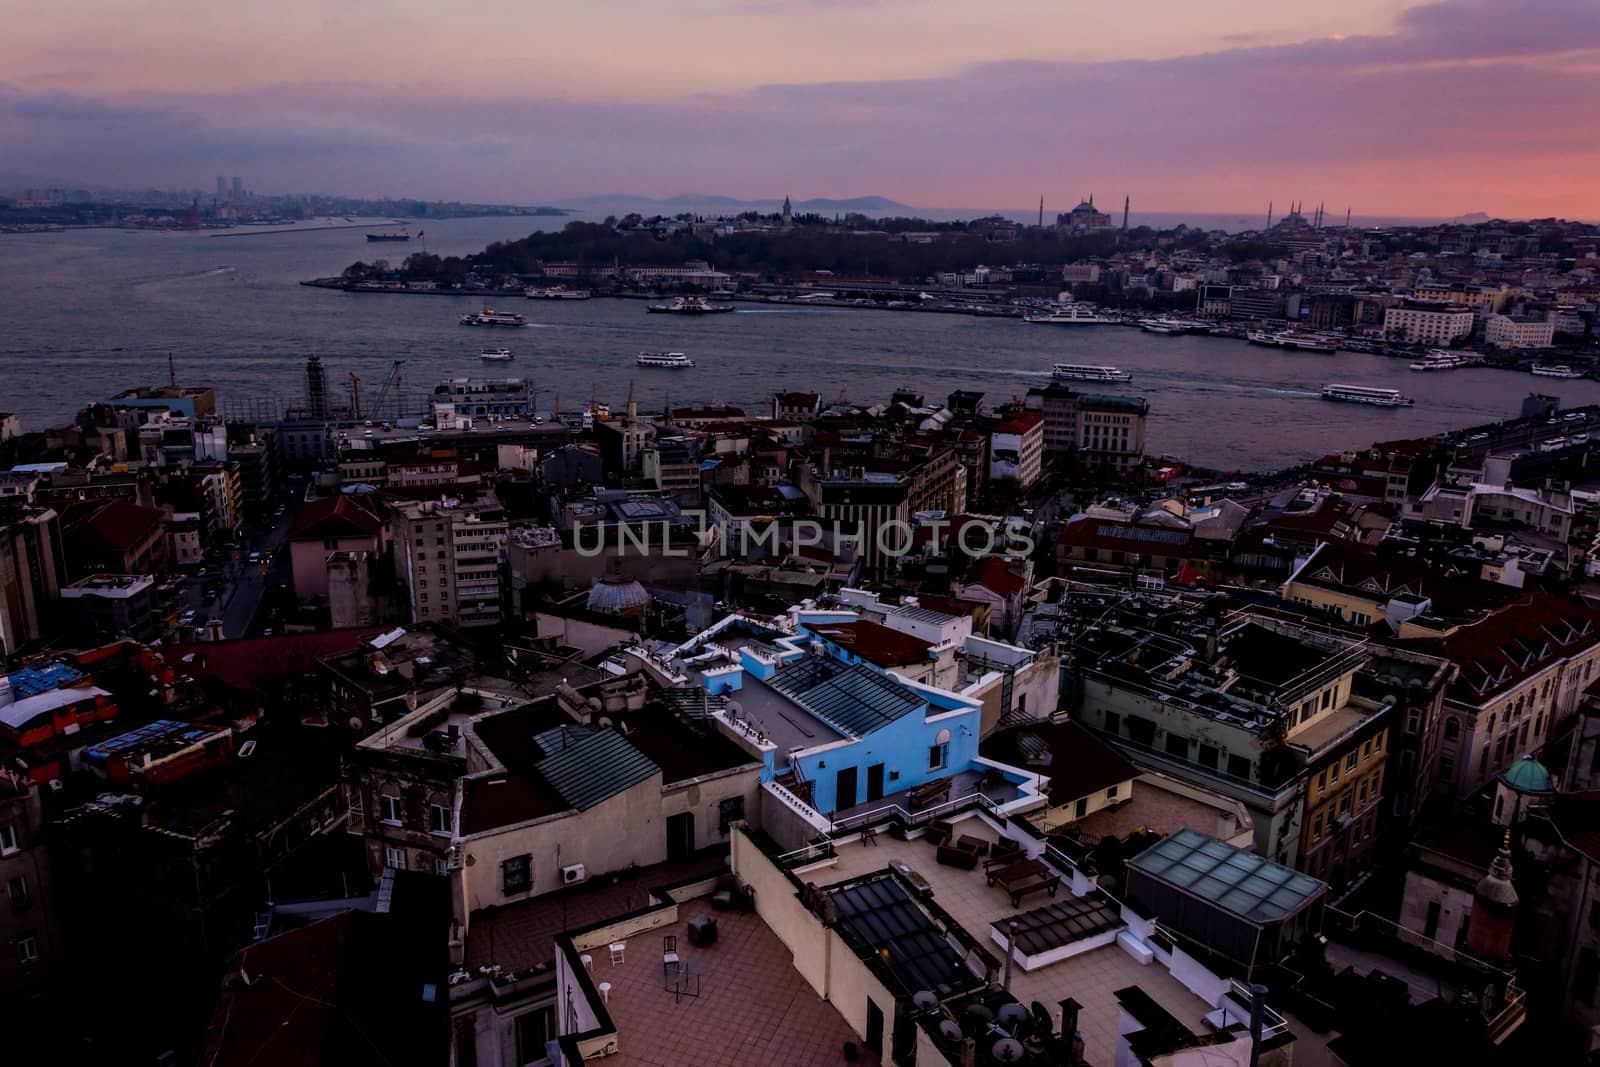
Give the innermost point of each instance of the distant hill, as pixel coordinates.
(701, 203)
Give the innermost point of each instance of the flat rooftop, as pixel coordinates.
(1092, 978)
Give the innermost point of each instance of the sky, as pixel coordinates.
(1386, 106)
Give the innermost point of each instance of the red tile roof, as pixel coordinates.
(333, 517)
(1081, 764)
(249, 663)
(875, 643)
(992, 573)
(1513, 643)
(109, 525)
(1019, 424)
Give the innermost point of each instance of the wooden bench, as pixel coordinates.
(1002, 853)
(1016, 869)
(1044, 881)
(927, 794)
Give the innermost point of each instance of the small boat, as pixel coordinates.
(1164, 326)
(496, 355)
(1555, 370)
(1082, 372)
(389, 235)
(490, 317)
(1068, 315)
(556, 292)
(664, 359)
(689, 305)
(1366, 394)
(1439, 359)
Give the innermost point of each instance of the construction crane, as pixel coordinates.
(390, 384)
(355, 395)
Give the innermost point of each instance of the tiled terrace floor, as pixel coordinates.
(753, 1008)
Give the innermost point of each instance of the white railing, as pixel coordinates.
(812, 817)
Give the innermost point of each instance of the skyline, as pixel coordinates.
(1436, 110)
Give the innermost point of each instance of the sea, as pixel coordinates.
(87, 313)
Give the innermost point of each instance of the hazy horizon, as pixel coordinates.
(1394, 108)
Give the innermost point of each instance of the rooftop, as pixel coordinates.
(1238, 881)
(878, 644)
(854, 700)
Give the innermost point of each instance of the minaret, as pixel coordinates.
(1126, 201)
(788, 213)
(1494, 909)
(1041, 212)
(1347, 219)
(1269, 214)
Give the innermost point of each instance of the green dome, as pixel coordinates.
(1528, 775)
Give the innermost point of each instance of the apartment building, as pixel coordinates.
(1428, 323)
(1518, 331)
(448, 557)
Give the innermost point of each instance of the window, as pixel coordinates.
(1113, 722)
(1239, 767)
(1177, 746)
(389, 808)
(27, 949)
(1344, 803)
(729, 811)
(534, 1028)
(1350, 762)
(1452, 728)
(1208, 755)
(394, 857)
(1081, 808)
(1322, 781)
(1327, 698)
(1366, 749)
(1111, 794)
(1447, 766)
(441, 866)
(1333, 772)
(1316, 827)
(17, 890)
(1413, 720)
(516, 875)
(1377, 743)
(937, 754)
(1585, 975)
(8, 840)
(438, 819)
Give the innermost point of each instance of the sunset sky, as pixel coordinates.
(1391, 107)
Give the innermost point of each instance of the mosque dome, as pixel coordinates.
(1528, 776)
(618, 595)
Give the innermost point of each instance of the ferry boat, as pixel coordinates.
(556, 292)
(490, 317)
(1164, 326)
(1555, 370)
(496, 355)
(389, 235)
(689, 305)
(1293, 339)
(1081, 372)
(1068, 315)
(1366, 394)
(664, 359)
(1439, 359)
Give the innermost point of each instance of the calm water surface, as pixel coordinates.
(87, 314)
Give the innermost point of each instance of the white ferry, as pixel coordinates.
(1164, 326)
(490, 317)
(556, 292)
(664, 359)
(1555, 370)
(1082, 372)
(1068, 315)
(496, 355)
(1293, 339)
(1366, 394)
(689, 305)
(1439, 359)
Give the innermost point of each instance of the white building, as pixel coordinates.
(1507, 331)
(1430, 323)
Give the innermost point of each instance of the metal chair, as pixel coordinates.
(617, 950)
(669, 951)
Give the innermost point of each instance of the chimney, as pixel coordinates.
(1069, 1018)
(969, 1052)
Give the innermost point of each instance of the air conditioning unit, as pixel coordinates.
(574, 873)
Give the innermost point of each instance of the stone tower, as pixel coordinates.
(1494, 909)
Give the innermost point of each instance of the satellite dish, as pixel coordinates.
(1012, 1013)
(950, 1030)
(925, 1000)
(1007, 1050)
(356, 723)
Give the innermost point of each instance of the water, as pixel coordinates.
(87, 314)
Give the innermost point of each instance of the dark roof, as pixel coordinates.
(875, 643)
(993, 574)
(332, 517)
(1343, 565)
(357, 988)
(248, 663)
(1230, 879)
(109, 525)
(1062, 923)
(1080, 764)
(878, 915)
(1521, 639)
(595, 768)
(855, 700)
(1089, 532)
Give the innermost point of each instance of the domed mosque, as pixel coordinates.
(618, 594)
(1524, 784)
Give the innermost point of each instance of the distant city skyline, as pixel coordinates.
(1395, 109)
